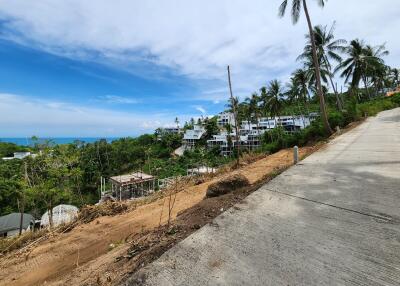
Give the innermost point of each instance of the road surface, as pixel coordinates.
(333, 219)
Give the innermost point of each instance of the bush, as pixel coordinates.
(336, 118)
(372, 108)
(396, 99)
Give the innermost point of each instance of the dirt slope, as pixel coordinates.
(77, 257)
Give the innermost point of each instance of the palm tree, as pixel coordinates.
(295, 95)
(253, 108)
(263, 101)
(301, 79)
(295, 13)
(363, 62)
(275, 97)
(327, 50)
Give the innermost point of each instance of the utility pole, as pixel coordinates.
(22, 205)
(235, 116)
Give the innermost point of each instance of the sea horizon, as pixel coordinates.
(27, 141)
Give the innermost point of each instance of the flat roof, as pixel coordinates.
(132, 178)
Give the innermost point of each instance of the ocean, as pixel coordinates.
(55, 140)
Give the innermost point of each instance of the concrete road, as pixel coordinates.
(333, 219)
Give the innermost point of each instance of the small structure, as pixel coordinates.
(19, 155)
(132, 185)
(172, 130)
(10, 224)
(61, 214)
(201, 170)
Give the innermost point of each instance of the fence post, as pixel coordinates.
(296, 154)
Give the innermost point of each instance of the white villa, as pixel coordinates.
(192, 136)
(250, 133)
(225, 118)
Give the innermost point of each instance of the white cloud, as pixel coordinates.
(201, 109)
(22, 116)
(194, 38)
(115, 99)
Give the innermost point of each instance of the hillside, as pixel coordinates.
(84, 256)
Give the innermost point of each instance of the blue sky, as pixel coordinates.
(96, 68)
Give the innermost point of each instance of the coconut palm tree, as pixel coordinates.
(263, 101)
(275, 97)
(301, 79)
(253, 107)
(297, 5)
(294, 95)
(309, 68)
(328, 50)
(363, 62)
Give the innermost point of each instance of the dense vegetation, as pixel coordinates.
(70, 173)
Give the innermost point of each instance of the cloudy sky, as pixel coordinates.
(124, 67)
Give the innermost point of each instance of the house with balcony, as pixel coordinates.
(225, 118)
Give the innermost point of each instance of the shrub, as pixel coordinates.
(396, 99)
(336, 118)
(371, 108)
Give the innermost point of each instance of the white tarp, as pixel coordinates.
(61, 214)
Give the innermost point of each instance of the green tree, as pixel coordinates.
(328, 49)
(362, 62)
(275, 97)
(253, 108)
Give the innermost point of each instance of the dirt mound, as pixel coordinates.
(89, 213)
(227, 185)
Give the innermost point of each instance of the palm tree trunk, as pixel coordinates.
(366, 87)
(317, 72)
(338, 101)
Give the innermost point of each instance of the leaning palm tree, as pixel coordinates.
(328, 49)
(296, 9)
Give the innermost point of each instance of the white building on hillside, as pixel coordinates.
(225, 118)
(192, 136)
(251, 133)
(294, 123)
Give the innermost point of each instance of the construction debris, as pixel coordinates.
(227, 185)
(89, 213)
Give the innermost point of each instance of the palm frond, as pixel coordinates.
(296, 9)
(282, 8)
